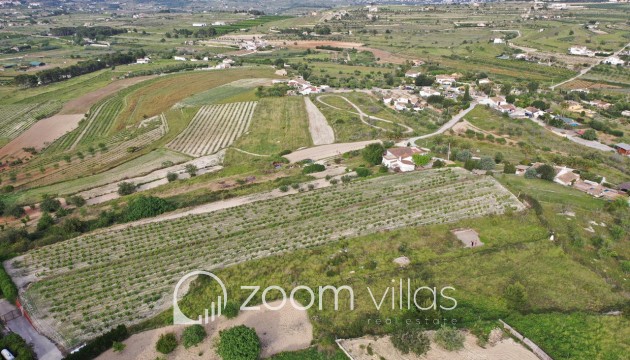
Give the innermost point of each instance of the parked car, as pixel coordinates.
(6, 354)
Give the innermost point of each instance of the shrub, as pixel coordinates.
(144, 207)
(7, 287)
(546, 172)
(166, 343)
(313, 168)
(118, 346)
(295, 186)
(50, 204)
(411, 340)
(373, 153)
(531, 173)
(284, 152)
(191, 170)
(18, 347)
(487, 163)
(509, 168)
(438, 164)
(363, 172)
(126, 188)
(449, 338)
(45, 222)
(101, 344)
(284, 188)
(171, 176)
(239, 343)
(231, 310)
(76, 200)
(421, 160)
(16, 211)
(515, 296)
(463, 155)
(193, 335)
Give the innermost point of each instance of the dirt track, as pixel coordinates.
(321, 132)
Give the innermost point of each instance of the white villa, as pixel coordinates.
(613, 60)
(401, 159)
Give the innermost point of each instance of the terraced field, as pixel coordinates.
(116, 151)
(17, 118)
(214, 128)
(84, 286)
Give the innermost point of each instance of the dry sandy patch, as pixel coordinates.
(40, 134)
(321, 132)
(287, 329)
(506, 349)
(326, 151)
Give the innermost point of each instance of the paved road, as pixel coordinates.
(449, 124)
(587, 69)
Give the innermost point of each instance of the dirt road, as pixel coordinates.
(321, 132)
(363, 116)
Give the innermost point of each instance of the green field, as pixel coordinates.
(278, 124)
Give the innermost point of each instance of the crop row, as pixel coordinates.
(17, 118)
(123, 275)
(101, 158)
(213, 128)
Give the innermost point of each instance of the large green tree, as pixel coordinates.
(239, 343)
(373, 153)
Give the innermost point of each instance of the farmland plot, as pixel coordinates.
(84, 286)
(16, 118)
(214, 128)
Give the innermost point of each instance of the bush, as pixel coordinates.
(166, 343)
(7, 287)
(487, 163)
(449, 338)
(15, 210)
(546, 172)
(411, 340)
(126, 188)
(373, 153)
(18, 347)
(363, 172)
(509, 168)
(193, 335)
(313, 168)
(144, 207)
(50, 204)
(239, 343)
(284, 152)
(231, 310)
(171, 176)
(463, 155)
(45, 221)
(284, 188)
(531, 173)
(101, 344)
(76, 200)
(515, 296)
(191, 170)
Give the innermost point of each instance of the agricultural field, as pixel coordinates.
(17, 118)
(278, 124)
(215, 127)
(236, 91)
(152, 256)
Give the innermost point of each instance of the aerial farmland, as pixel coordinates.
(339, 181)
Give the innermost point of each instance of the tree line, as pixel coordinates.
(57, 74)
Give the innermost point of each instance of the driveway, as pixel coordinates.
(44, 348)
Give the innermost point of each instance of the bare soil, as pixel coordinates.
(506, 349)
(287, 329)
(321, 132)
(40, 134)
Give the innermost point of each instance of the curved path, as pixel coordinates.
(363, 115)
(449, 124)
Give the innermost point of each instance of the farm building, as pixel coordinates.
(498, 41)
(623, 149)
(144, 60)
(613, 60)
(199, 24)
(445, 79)
(532, 112)
(568, 121)
(412, 74)
(36, 63)
(401, 159)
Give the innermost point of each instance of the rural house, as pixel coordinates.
(623, 149)
(401, 159)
